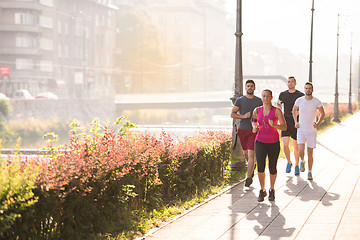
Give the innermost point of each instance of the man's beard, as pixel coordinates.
(250, 93)
(308, 94)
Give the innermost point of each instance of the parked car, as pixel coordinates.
(22, 94)
(46, 95)
(3, 97)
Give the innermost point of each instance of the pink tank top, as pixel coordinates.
(267, 134)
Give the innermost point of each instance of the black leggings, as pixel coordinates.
(271, 150)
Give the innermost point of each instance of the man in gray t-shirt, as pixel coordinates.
(242, 109)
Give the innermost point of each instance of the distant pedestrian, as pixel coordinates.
(267, 120)
(287, 99)
(242, 109)
(308, 107)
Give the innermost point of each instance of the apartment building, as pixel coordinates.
(198, 38)
(63, 46)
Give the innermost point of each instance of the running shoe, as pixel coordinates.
(271, 194)
(248, 181)
(310, 176)
(262, 195)
(302, 166)
(297, 172)
(288, 167)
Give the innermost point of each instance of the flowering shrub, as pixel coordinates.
(16, 197)
(98, 182)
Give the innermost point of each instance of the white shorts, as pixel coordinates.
(308, 137)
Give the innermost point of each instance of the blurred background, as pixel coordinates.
(163, 62)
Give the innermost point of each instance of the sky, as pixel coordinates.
(287, 24)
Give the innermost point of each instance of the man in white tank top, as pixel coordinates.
(307, 108)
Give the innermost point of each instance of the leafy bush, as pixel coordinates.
(16, 197)
(107, 177)
(5, 108)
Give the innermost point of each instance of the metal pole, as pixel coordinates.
(238, 90)
(311, 41)
(336, 103)
(359, 84)
(237, 156)
(350, 104)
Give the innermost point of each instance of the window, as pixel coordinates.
(66, 51)
(59, 27)
(79, 28)
(24, 18)
(24, 41)
(60, 50)
(97, 20)
(24, 64)
(46, 66)
(66, 28)
(46, 22)
(46, 44)
(47, 2)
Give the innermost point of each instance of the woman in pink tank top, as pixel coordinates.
(267, 120)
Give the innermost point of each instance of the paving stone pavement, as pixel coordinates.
(326, 208)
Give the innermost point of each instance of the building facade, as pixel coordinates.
(63, 46)
(198, 39)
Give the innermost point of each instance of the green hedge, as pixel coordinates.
(105, 178)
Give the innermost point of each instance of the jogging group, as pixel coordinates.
(297, 115)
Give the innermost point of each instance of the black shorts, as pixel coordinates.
(291, 131)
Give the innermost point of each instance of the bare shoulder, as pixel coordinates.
(278, 111)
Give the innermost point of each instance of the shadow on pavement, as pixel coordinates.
(240, 209)
(317, 192)
(270, 214)
(265, 214)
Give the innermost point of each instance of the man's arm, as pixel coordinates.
(295, 114)
(321, 117)
(279, 102)
(254, 123)
(234, 113)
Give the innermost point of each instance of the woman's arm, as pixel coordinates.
(282, 124)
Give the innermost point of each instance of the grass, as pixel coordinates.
(157, 217)
(325, 126)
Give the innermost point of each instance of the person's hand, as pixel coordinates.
(315, 125)
(247, 115)
(271, 122)
(297, 125)
(255, 129)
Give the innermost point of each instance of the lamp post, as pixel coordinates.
(336, 102)
(359, 84)
(350, 104)
(311, 41)
(83, 33)
(238, 90)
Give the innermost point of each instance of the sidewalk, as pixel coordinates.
(326, 208)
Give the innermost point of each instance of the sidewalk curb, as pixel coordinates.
(177, 217)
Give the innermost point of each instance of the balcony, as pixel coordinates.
(20, 28)
(20, 51)
(20, 5)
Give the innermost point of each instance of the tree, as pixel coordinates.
(140, 58)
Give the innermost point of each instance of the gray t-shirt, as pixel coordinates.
(247, 105)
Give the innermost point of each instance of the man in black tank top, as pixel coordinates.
(287, 99)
